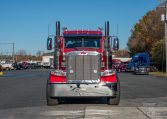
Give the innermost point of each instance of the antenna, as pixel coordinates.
(117, 30)
(48, 29)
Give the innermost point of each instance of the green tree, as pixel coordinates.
(158, 54)
(147, 35)
(146, 32)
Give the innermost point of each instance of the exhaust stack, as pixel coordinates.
(108, 52)
(107, 29)
(57, 47)
(58, 28)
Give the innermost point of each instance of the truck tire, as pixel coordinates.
(116, 100)
(50, 101)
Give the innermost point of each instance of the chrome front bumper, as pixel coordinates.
(142, 71)
(83, 90)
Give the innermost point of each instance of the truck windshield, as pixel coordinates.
(82, 42)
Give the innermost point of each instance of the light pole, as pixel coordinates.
(165, 20)
(13, 53)
(166, 33)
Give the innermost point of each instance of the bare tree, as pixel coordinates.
(22, 52)
(39, 53)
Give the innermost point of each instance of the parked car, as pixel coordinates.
(25, 65)
(17, 66)
(32, 65)
(39, 65)
(0, 68)
(7, 66)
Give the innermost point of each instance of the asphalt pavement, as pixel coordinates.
(22, 96)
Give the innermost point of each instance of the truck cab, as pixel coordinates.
(83, 66)
(140, 64)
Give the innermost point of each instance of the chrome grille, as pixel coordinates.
(83, 67)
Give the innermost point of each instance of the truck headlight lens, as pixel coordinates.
(58, 73)
(108, 73)
(64, 57)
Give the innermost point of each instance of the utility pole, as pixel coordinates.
(166, 33)
(13, 53)
(164, 18)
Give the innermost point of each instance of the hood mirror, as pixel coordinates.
(49, 43)
(116, 44)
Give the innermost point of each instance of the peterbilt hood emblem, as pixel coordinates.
(95, 71)
(71, 71)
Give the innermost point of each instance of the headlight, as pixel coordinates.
(137, 68)
(108, 73)
(64, 56)
(58, 73)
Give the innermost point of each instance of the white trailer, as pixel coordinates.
(47, 61)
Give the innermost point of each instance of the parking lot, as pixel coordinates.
(22, 95)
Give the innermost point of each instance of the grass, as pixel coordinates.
(160, 74)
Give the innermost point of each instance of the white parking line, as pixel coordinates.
(64, 113)
(90, 112)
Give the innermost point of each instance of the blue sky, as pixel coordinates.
(25, 22)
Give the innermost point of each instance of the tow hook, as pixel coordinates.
(78, 85)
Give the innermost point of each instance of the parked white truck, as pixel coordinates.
(47, 61)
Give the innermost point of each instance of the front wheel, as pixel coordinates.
(50, 101)
(115, 100)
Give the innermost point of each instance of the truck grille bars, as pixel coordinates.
(83, 68)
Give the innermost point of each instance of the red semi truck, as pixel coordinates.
(83, 66)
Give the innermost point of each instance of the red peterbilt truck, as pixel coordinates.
(83, 66)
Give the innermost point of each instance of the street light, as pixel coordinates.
(164, 18)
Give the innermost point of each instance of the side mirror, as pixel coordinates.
(116, 44)
(49, 43)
